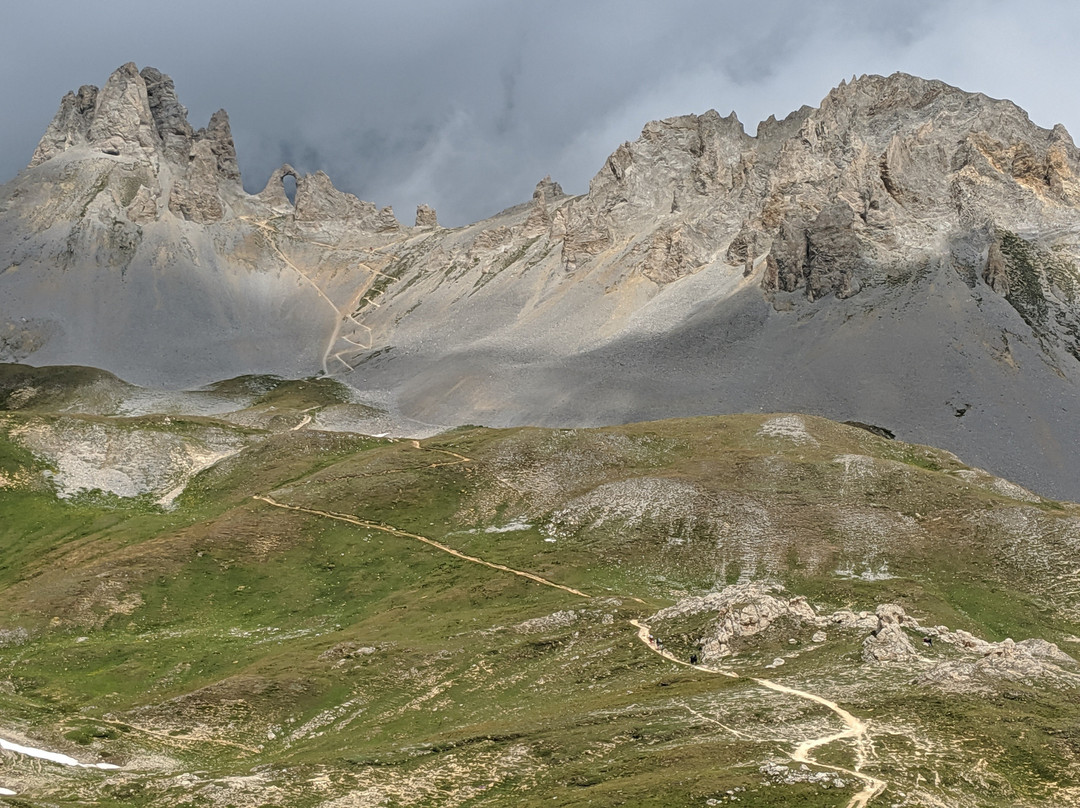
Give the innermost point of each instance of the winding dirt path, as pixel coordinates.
(644, 633)
(854, 728)
(342, 315)
(393, 531)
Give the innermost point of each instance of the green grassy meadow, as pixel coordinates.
(228, 652)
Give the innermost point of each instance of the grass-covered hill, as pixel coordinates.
(239, 608)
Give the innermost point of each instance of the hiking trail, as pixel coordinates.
(854, 728)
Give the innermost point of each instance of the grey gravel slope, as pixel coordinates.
(873, 360)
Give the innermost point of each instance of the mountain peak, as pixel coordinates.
(136, 115)
(170, 116)
(137, 121)
(122, 119)
(724, 269)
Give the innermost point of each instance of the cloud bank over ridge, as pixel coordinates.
(465, 105)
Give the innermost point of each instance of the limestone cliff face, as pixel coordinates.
(885, 170)
(904, 254)
(887, 174)
(140, 251)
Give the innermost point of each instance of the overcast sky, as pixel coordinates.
(465, 104)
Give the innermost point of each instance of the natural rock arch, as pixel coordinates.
(275, 193)
(288, 184)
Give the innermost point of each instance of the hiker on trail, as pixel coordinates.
(652, 639)
(693, 659)
(659, 645)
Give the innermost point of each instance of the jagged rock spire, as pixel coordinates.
(219, 135)
(113, 120)
(70, 126)
(170, 116)
(122, 118)
(137, 113)
(426, 217)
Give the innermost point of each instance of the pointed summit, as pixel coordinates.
(70, 126)
(137, 113)
(122, 118)
(170, 116)
(113, 120)
(218, 134)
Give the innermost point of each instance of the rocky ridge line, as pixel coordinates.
(706, 270)
(137, 116)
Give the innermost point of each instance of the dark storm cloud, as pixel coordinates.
(464, 105)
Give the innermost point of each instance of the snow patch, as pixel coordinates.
(55, 757)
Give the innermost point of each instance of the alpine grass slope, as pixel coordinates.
(254, 550)
(329, 619)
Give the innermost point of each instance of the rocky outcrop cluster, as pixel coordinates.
(889, 642)
(721, 623)
(742, 610)
(989, 664)
(137, 116)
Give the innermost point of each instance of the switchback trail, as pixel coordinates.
(270, 234)
(855, 729)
